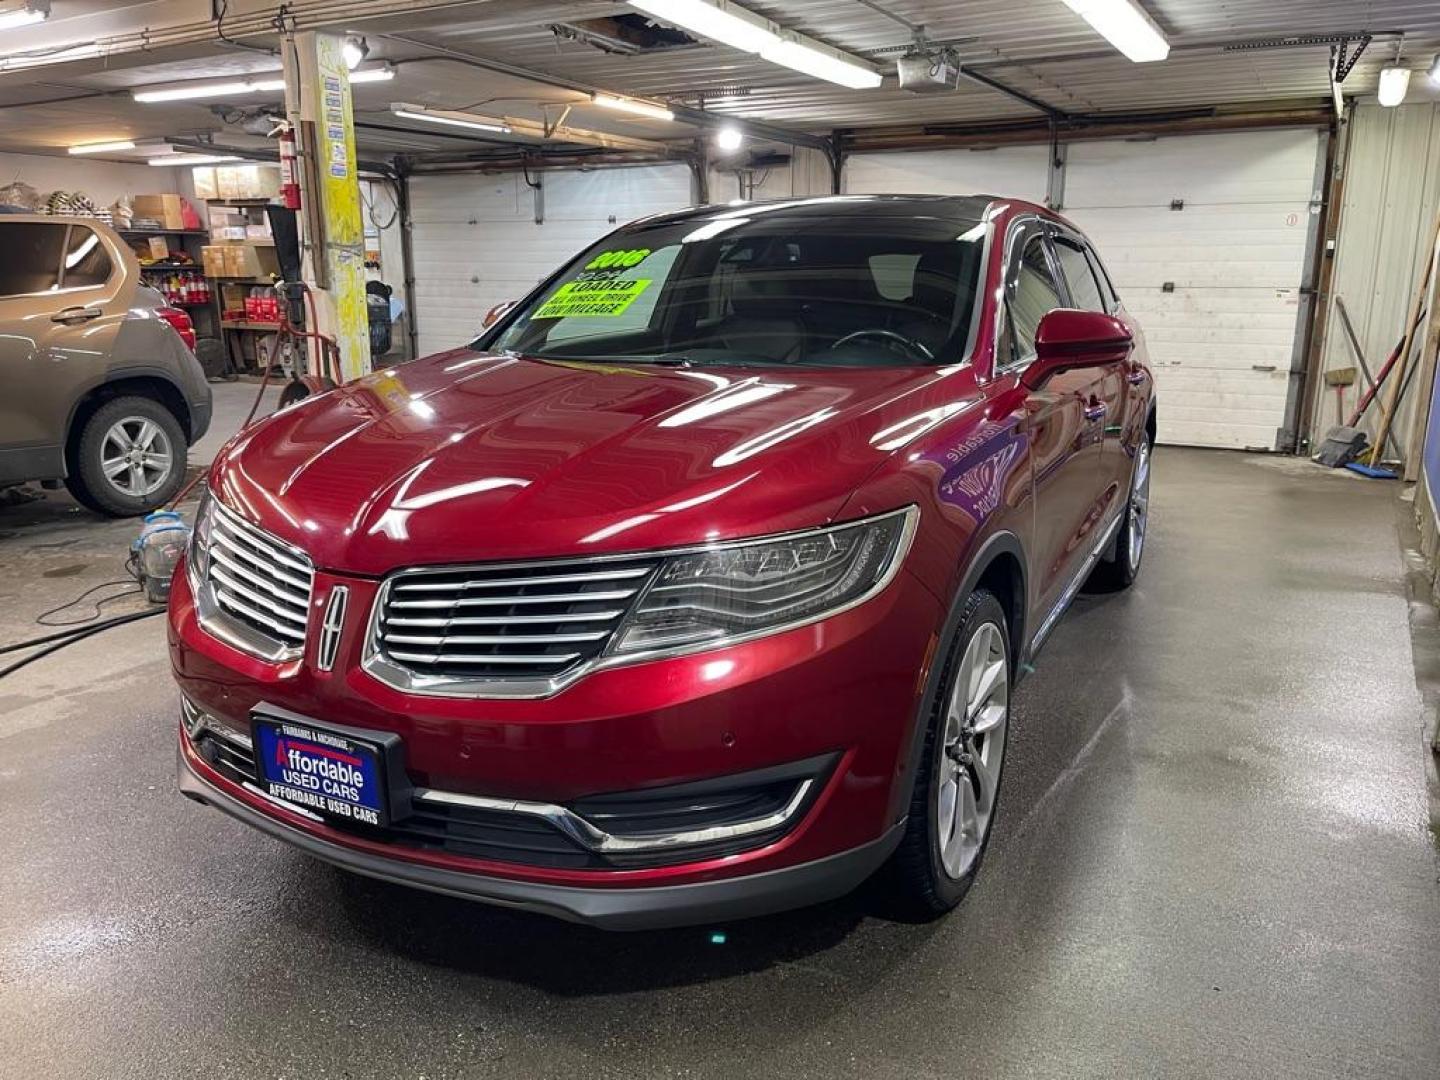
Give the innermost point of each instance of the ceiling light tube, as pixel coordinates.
(454, 119)
(383, 73)
(719, 21)
(103, 147)
(191, 159)
(31, 13)
(1394, 81)
(821, 63)
(631, 105)
(193, 91)
(1126, 26)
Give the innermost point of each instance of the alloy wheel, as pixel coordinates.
(1138, 514)
(974, 743)
(136, 456)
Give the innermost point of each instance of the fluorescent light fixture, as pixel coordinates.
(1394, 81)
(729, 138)
(355, 49)
(103, 147)
(33, 12)
(821, 63)
(631, 105)
(1126, 26)
(446, 116)
(194, 90)
(383, 73)
(720, 21)
(191, 159)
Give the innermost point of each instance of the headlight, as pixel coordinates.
(743, 590)
(197, 557)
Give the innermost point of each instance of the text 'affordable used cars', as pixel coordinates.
(697, 586)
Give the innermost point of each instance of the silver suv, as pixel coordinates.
(97, 386)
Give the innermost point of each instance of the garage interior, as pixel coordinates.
(1219, 826)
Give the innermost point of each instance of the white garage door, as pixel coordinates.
(476, 243)
(1223, 333)
(1016, 171)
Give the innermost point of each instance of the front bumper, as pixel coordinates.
(645, 908)
(845, 690)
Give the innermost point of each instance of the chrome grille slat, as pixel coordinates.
(553, 579)
(259, 581)
(505, 620)
(463, 658)
(506, 601)
(504, 623)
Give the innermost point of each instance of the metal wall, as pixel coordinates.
(1391, 194)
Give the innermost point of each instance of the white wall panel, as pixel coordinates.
(476, 243)
(1223, 337)
(1016, 171)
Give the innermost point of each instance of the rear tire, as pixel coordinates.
(952, 808)
(129, 458)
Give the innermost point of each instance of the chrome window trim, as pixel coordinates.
(374, 661)
(220, 624)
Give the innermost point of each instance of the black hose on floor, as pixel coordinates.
(55, 642)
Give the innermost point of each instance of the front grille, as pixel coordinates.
(258, 580)
(505, 622)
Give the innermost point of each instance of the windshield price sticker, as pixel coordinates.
(606, 297)
(618, 260)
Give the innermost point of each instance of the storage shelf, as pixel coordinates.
(245, 324)
(127, 233)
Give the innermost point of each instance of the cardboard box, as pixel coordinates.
(166, 209)
(228, 232)
(203, 177)
(250, 261)
(158, 249)
(226, 217)
(258, 232)
(212, 259)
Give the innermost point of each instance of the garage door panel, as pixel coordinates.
(477, 244)
(1235, 409)
(1014, 171)
(1230, 168)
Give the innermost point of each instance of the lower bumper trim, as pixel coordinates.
(648, 908)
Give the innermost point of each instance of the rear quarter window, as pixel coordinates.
(33, 254)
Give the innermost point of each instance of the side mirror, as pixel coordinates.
(495, 313)
(1067, 338)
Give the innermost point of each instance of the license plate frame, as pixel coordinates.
(342, 761)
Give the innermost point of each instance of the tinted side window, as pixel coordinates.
(1033, 294)
(32, 257)
(86, 261)
(1084, 290)
(1101, 275)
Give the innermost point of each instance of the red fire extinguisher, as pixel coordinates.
(289, 169)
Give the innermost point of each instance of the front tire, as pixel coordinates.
(129, 459)
(1121, 571)
(952, 808)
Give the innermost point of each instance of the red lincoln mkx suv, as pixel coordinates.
(697, 586)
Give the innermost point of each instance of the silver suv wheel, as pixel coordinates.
(136, 456)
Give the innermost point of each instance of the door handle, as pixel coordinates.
(1136, 376)
(76, 314)
(1096, 410)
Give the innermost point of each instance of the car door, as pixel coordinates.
(1110, 394)
(61, 300)
(1061, 422)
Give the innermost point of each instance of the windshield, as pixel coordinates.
(749, 287)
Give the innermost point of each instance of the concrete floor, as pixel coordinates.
(1213, 860)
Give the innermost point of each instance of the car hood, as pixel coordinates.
(469, 456)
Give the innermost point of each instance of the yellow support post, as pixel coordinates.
(317, 95)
